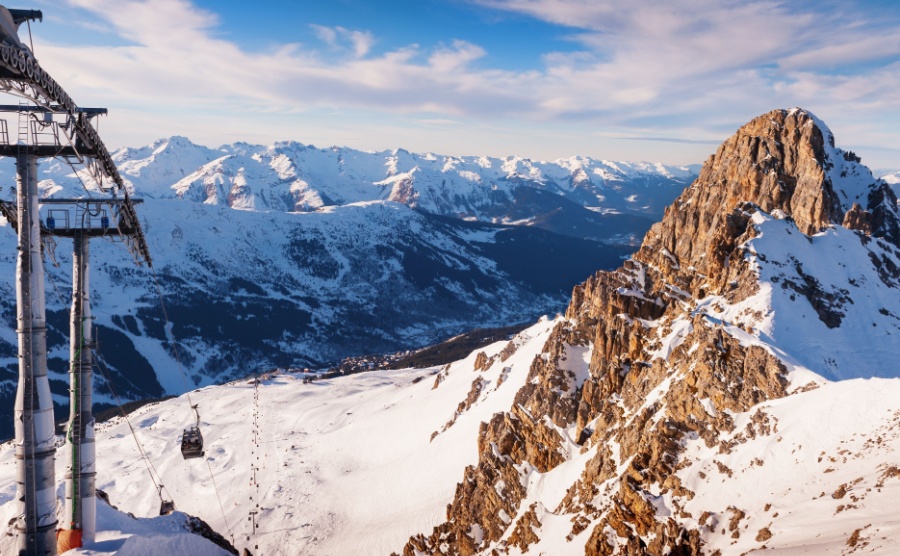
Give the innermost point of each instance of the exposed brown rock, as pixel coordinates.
(474, 393)
(858, 219)
(775, 163)
(482, 363)
(737, 515)
(404, 191)
(524, 534)
(508, 351)
(840, 492)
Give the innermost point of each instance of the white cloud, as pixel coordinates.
(718, 60)
(360, 42)
(327, 35)
(667, 68)
(184, 63)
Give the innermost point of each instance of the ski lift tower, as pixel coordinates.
(50, 124)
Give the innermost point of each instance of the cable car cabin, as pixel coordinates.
(192, 443)
(166, 507)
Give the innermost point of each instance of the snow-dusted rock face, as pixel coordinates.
(653, 402)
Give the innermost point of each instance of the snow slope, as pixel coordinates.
(823, 473)
(349, 466)
(828, 471)
(823, 302)
(121, 534)
(346, 466)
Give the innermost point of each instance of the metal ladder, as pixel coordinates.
(22, 139)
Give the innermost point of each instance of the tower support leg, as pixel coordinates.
(80, 510)
(35, 443)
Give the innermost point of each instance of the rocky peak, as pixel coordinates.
(777, 161)
(678, 341)
(783, 163)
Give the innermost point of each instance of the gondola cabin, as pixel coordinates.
(166, 507)
(192, 443)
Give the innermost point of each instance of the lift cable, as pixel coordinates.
(30, 39)
(155, 476)
(171, 333)
(151, 469)
(221, 508)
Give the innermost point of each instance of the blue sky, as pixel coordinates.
(661, 80)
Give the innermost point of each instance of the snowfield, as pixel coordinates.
(349, 466)
(346, 466)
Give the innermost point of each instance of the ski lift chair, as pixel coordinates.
(192, 443)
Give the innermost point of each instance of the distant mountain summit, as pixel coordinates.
(777, 267)
(599, 200)
(290, 176)
(581, 197)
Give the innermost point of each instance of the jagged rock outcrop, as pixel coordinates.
(858, 219)
(664, 365)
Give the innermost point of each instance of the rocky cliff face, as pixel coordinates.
(763, 269)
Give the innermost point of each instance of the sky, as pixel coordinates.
(657, 80)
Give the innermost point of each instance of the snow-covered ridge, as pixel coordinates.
(851, 179)
(291, 176)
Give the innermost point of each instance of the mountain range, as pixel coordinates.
(295, 256)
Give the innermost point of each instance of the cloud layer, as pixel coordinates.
(688, 69)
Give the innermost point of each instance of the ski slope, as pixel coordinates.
(346, 466)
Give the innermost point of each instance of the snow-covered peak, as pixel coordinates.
(850, 179)
(289, 175)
